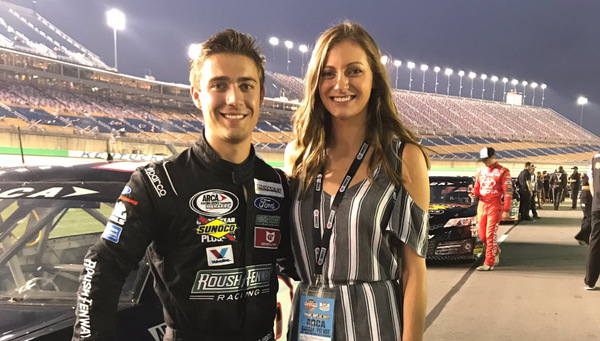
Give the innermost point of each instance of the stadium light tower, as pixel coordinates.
(533, 85)
(448, 72)
(116, 20)
(472, 75)
(483, 78)
(543, 86)
(436, 70)
(194, 51)
(581, 101)
(461, 73)
(274, 42)
(504, 80)
(424, 68)
(514, 82)
(494, 80)
(397, 64)
(384, 60)
(303, 49)
(411, 66)
(289, 45)
(524, 90)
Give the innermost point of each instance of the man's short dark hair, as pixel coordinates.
(527, 164)
(228, 41)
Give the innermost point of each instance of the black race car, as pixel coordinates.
(49, 217)
(452, 226)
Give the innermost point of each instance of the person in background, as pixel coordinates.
(575, 182)
(558, 181)
(583, 236)
(534, 192)
(540, 189)
(493, 184)
(593, 261)
(525, 193)
(546, 182)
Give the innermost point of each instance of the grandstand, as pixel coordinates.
(50, 84)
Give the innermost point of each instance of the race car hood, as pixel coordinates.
(22, 320)
(439, 214)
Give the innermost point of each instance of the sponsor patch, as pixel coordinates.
(266, 204)
(266, 238)
(214, 203)
(119, 214)
(268, 220)
(324, 306)
(273, 189)
(219, 255)
(112, 232)
(232, 284)
(217, 228)
(126, 199)
(156, 183)
(126, 190)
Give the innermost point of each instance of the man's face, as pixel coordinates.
(230, 97)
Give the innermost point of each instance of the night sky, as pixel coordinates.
(556, 42)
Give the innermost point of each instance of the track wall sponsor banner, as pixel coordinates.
(116, 156)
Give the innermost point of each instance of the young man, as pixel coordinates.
(593, 260)
(493, 183)
(213, 218)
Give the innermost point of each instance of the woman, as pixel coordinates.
(370, 252)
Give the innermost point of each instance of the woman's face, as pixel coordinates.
(346, 81)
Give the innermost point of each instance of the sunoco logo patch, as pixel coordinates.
(214, 203)
(217, 228)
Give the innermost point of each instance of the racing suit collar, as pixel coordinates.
(495, 165)
(208, 157)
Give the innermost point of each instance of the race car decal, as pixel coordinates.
(219, 229)
(45, 193)
(273, 189)
(219, 255)
(232, 284)
(214, 203)
(266, 238)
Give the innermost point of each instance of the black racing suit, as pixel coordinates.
(212, 231)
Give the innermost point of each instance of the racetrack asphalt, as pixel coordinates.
(536, 293)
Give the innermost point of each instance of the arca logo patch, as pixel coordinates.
(214, 203)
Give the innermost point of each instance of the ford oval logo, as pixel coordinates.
(266, 204)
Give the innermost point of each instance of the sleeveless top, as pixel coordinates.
(363, 263)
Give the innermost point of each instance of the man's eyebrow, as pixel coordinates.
(247, 79)
(218, 79)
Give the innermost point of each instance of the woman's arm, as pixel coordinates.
(414, 271)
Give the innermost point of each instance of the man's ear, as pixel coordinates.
(195, 97)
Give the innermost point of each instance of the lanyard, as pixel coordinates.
(322, 243)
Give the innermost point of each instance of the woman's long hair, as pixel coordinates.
(312, 121)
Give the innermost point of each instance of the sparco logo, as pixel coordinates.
(266, 204)
(214, 203)
(158, 186)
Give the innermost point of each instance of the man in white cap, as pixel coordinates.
(493, 183)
